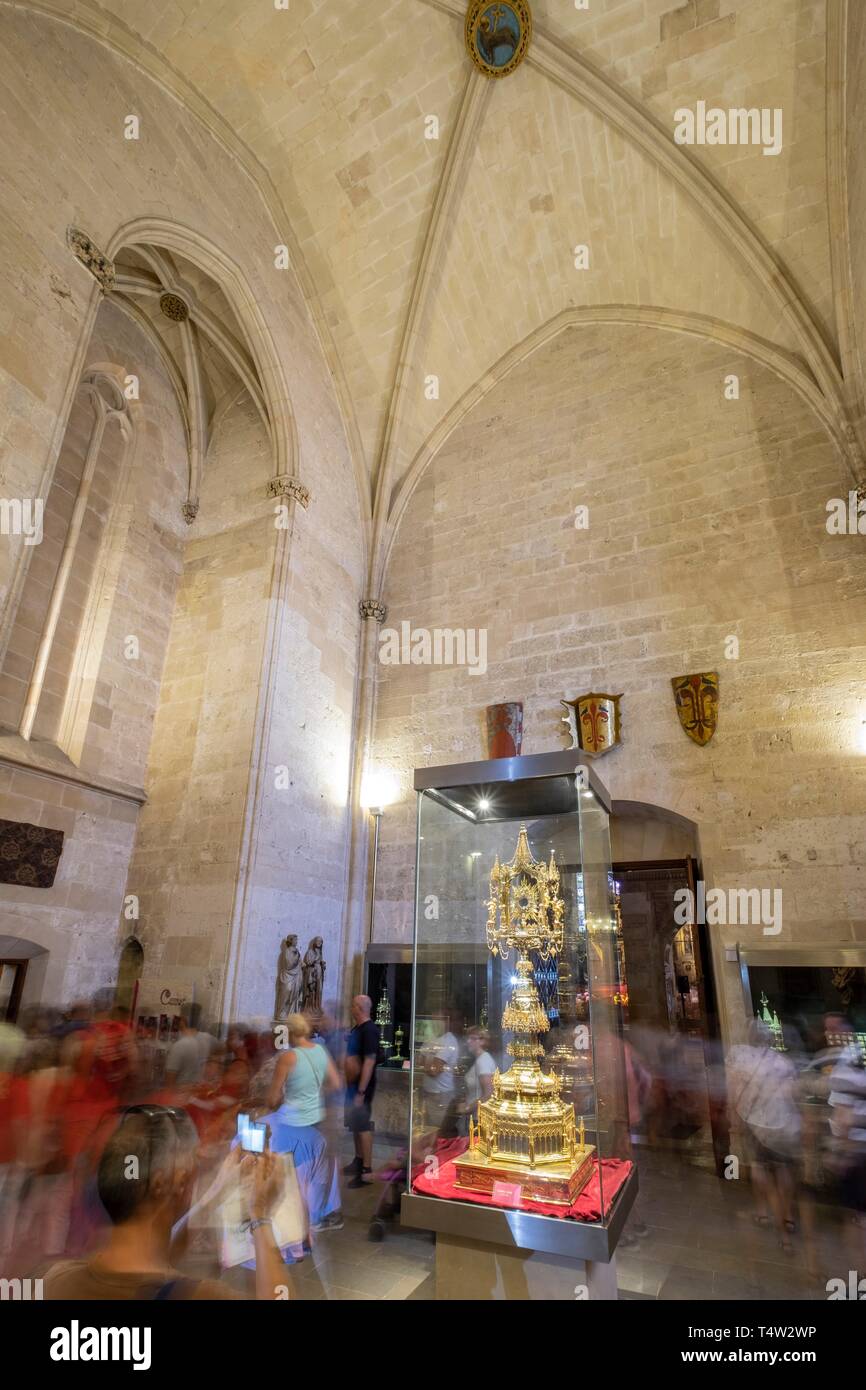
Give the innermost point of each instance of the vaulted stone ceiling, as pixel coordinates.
(441, 257)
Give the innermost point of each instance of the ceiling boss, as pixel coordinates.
(497, 35)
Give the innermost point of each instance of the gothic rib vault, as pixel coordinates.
(448, 257)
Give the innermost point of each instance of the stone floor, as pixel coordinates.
(700, 1243)
(346, 1264)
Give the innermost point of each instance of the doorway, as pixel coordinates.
(12, 976)
(672, 1017)
(129, 976)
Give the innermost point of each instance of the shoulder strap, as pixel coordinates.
(308, 1054)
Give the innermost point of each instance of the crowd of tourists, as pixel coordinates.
(121, 1157)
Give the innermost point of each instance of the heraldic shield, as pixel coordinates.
(593, 722)
(697, 702)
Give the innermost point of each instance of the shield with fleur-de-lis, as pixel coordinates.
(697, 701)
(594, 722)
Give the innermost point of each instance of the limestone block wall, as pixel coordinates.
(706, 520)
(185, 864)
(230, 855)
(856, 181)
(68, 96)
(76, 919)
(298, 874)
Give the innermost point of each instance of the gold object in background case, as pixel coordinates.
(526, 1133)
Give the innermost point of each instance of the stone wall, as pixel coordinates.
(76, 920)
(706, 520)
(68, 96)
(856, 176)
(185, 866)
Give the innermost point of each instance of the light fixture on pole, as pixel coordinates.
(378, 790)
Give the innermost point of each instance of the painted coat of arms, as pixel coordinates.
(497, 35)
(594, 722)
(697, 702)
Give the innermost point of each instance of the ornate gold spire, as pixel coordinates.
(525, 1132)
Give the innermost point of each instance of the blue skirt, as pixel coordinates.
(316, 1168)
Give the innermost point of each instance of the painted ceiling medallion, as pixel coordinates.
(174, 308)
(497, 35)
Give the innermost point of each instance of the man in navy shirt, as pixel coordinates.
(362, 1051)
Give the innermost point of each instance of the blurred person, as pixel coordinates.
(237, 1067)
(136, 1259)
(151, 1060)
(478, 1079)
(762, 1085)
(43, 1219)
(362, 1054)
(13, 1123)
(98, 1068)
(847, 1102)
(186, 1060)
(108, 1052)
(836, 1037)
(76, 1020)
(261, 1082)
(315, 1018)
(304, 1071)
(439, 1059)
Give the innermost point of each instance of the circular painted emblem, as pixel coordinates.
(498, 34)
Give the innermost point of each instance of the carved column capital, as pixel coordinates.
(90, 256)
(285, 486)
(372, 608)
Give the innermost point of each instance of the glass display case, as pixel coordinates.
(518, 1093)
(388, 978)
(810, 998)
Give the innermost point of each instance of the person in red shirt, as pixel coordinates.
(13, 1125)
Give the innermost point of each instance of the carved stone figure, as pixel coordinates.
(288, 996)
(314, 974)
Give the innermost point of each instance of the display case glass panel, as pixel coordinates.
(463, 977)
(807, 1004)
(518, 1083)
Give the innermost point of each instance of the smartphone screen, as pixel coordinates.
(252, 1137)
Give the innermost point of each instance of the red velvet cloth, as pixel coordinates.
(586, 1208)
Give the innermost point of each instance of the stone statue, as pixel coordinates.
(314, 974)
(288, 998)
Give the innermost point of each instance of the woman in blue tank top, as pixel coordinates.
(303, 1072)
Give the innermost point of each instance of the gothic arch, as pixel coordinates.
(783, 364)
(158, 232)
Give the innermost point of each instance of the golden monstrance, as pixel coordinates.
(526, 1133)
